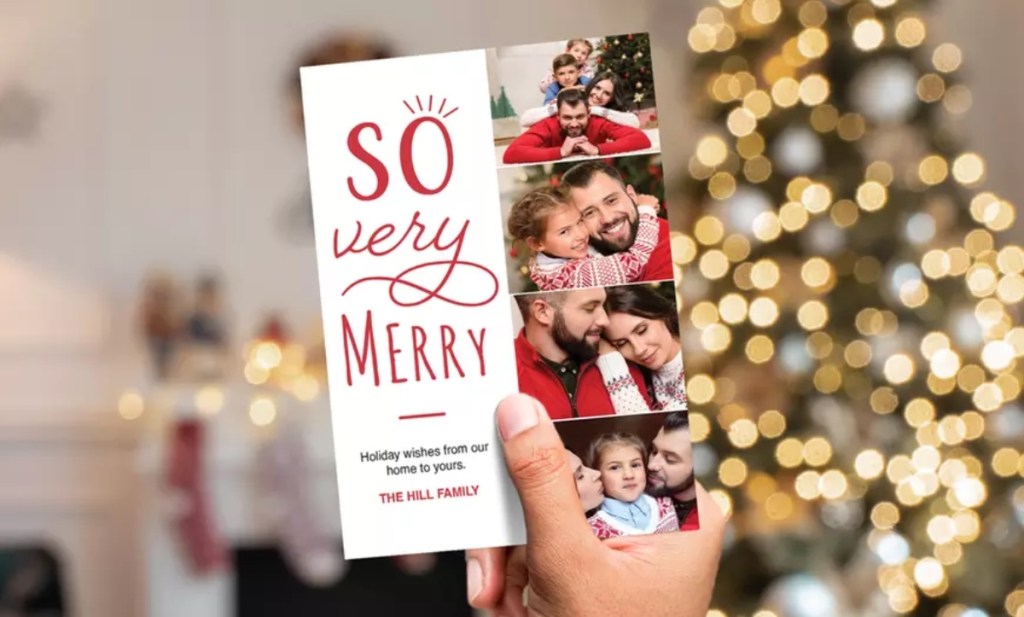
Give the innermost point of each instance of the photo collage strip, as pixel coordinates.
(590, 273)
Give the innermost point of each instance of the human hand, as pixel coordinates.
(571, 144)
(603, 346)
(587, 148)
(564, 568)
(648, 200)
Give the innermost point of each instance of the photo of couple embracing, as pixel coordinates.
(634, 478)
(601, 351)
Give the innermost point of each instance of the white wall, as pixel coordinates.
(165, 141)
(519, 68)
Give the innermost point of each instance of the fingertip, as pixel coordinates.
(485, 577)
(518, 413)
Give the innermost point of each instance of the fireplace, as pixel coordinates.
(31, 583)
(264, 587)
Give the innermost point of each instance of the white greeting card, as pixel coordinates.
(432, 315)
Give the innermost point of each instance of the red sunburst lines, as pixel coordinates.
(430, 106)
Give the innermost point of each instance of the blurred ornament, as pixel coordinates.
(847, 514)
(902, 146)
(740, 210)
(274, 330)
(885, 90)
(793, 355)
(898, 275)
(755, 385)
(21, 113)
(802, 595)
(822, 237)
(1007, 424)
(797, 151)
(920, 228)
(886, 432)
(837, 419)
(705, 461)
(892, 548)
(1017, 503)
(694, 285)
(966, 330)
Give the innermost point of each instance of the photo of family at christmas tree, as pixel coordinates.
(594, 97)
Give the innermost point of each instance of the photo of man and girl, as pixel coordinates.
(586, 106)
(601, 351)
(582, 225)
(633, 475)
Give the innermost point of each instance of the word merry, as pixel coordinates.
(446, 347)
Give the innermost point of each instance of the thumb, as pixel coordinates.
(537, 462)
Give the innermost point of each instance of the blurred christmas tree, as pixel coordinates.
(502, 107)
(629, 57)
(643, 173)
(853, 349)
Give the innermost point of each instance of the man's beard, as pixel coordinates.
(579, 349)
(669, 491)
(609, 248)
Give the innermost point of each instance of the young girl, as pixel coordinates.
(553, 229)
(579, 49)
(626, 509)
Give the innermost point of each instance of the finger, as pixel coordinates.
(485, 577)
(537, 462)
(517, 577)
(699, 549)
(709, 514)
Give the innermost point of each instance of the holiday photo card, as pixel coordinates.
(461, 259)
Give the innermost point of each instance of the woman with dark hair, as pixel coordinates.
(608, 92)
(588, 484)
(607, 97)
(643, 328)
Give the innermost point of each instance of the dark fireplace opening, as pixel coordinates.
(265, 587)
(31, 583)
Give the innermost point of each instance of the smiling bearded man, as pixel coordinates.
(610, 213)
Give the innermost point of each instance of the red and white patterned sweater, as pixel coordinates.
(553, 273)
(605, 526)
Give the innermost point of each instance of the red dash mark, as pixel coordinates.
(436, 414)
(411, 110)
(450, 112)
(419, 102)
(441, 108)
(430, 103)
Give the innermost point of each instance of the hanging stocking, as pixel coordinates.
(191, 514)
(312, 553)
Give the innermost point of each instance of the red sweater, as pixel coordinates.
(659, 264)
(692, 521)
(543, 142)
(538, 380)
